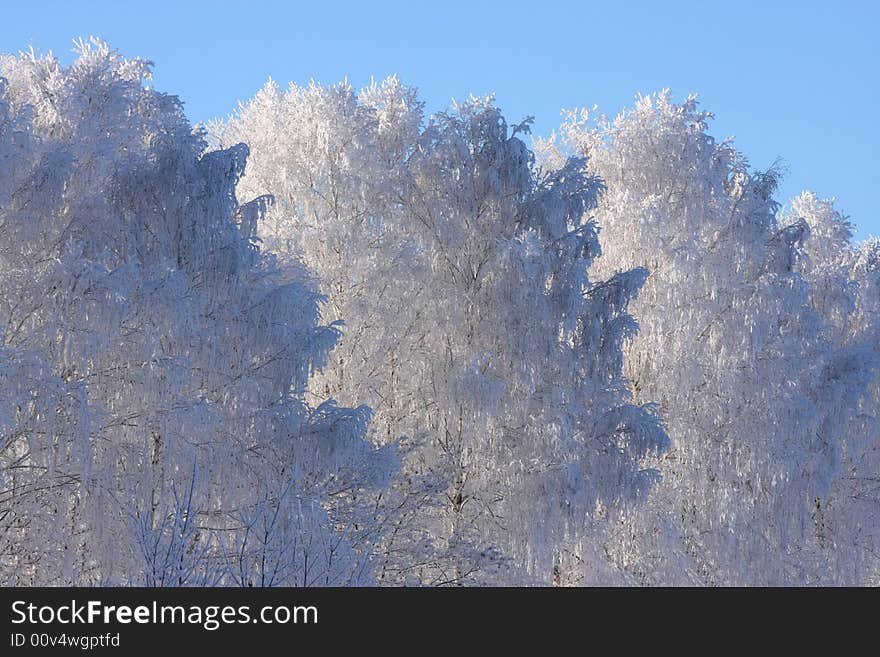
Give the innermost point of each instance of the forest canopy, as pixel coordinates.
(335, 340)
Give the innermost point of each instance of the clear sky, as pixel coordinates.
(791, 80)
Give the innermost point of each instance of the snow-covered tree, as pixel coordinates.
(755, 395)
(405, 359)
(153, 360)
(490, 359)
(844, 291)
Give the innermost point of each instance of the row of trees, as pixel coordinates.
(405, 358)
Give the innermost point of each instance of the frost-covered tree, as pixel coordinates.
(406, 359)
(490, 359)
(756, 396)
(845, 290)
(154, 361)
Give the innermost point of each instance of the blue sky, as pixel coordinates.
(790, 80)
